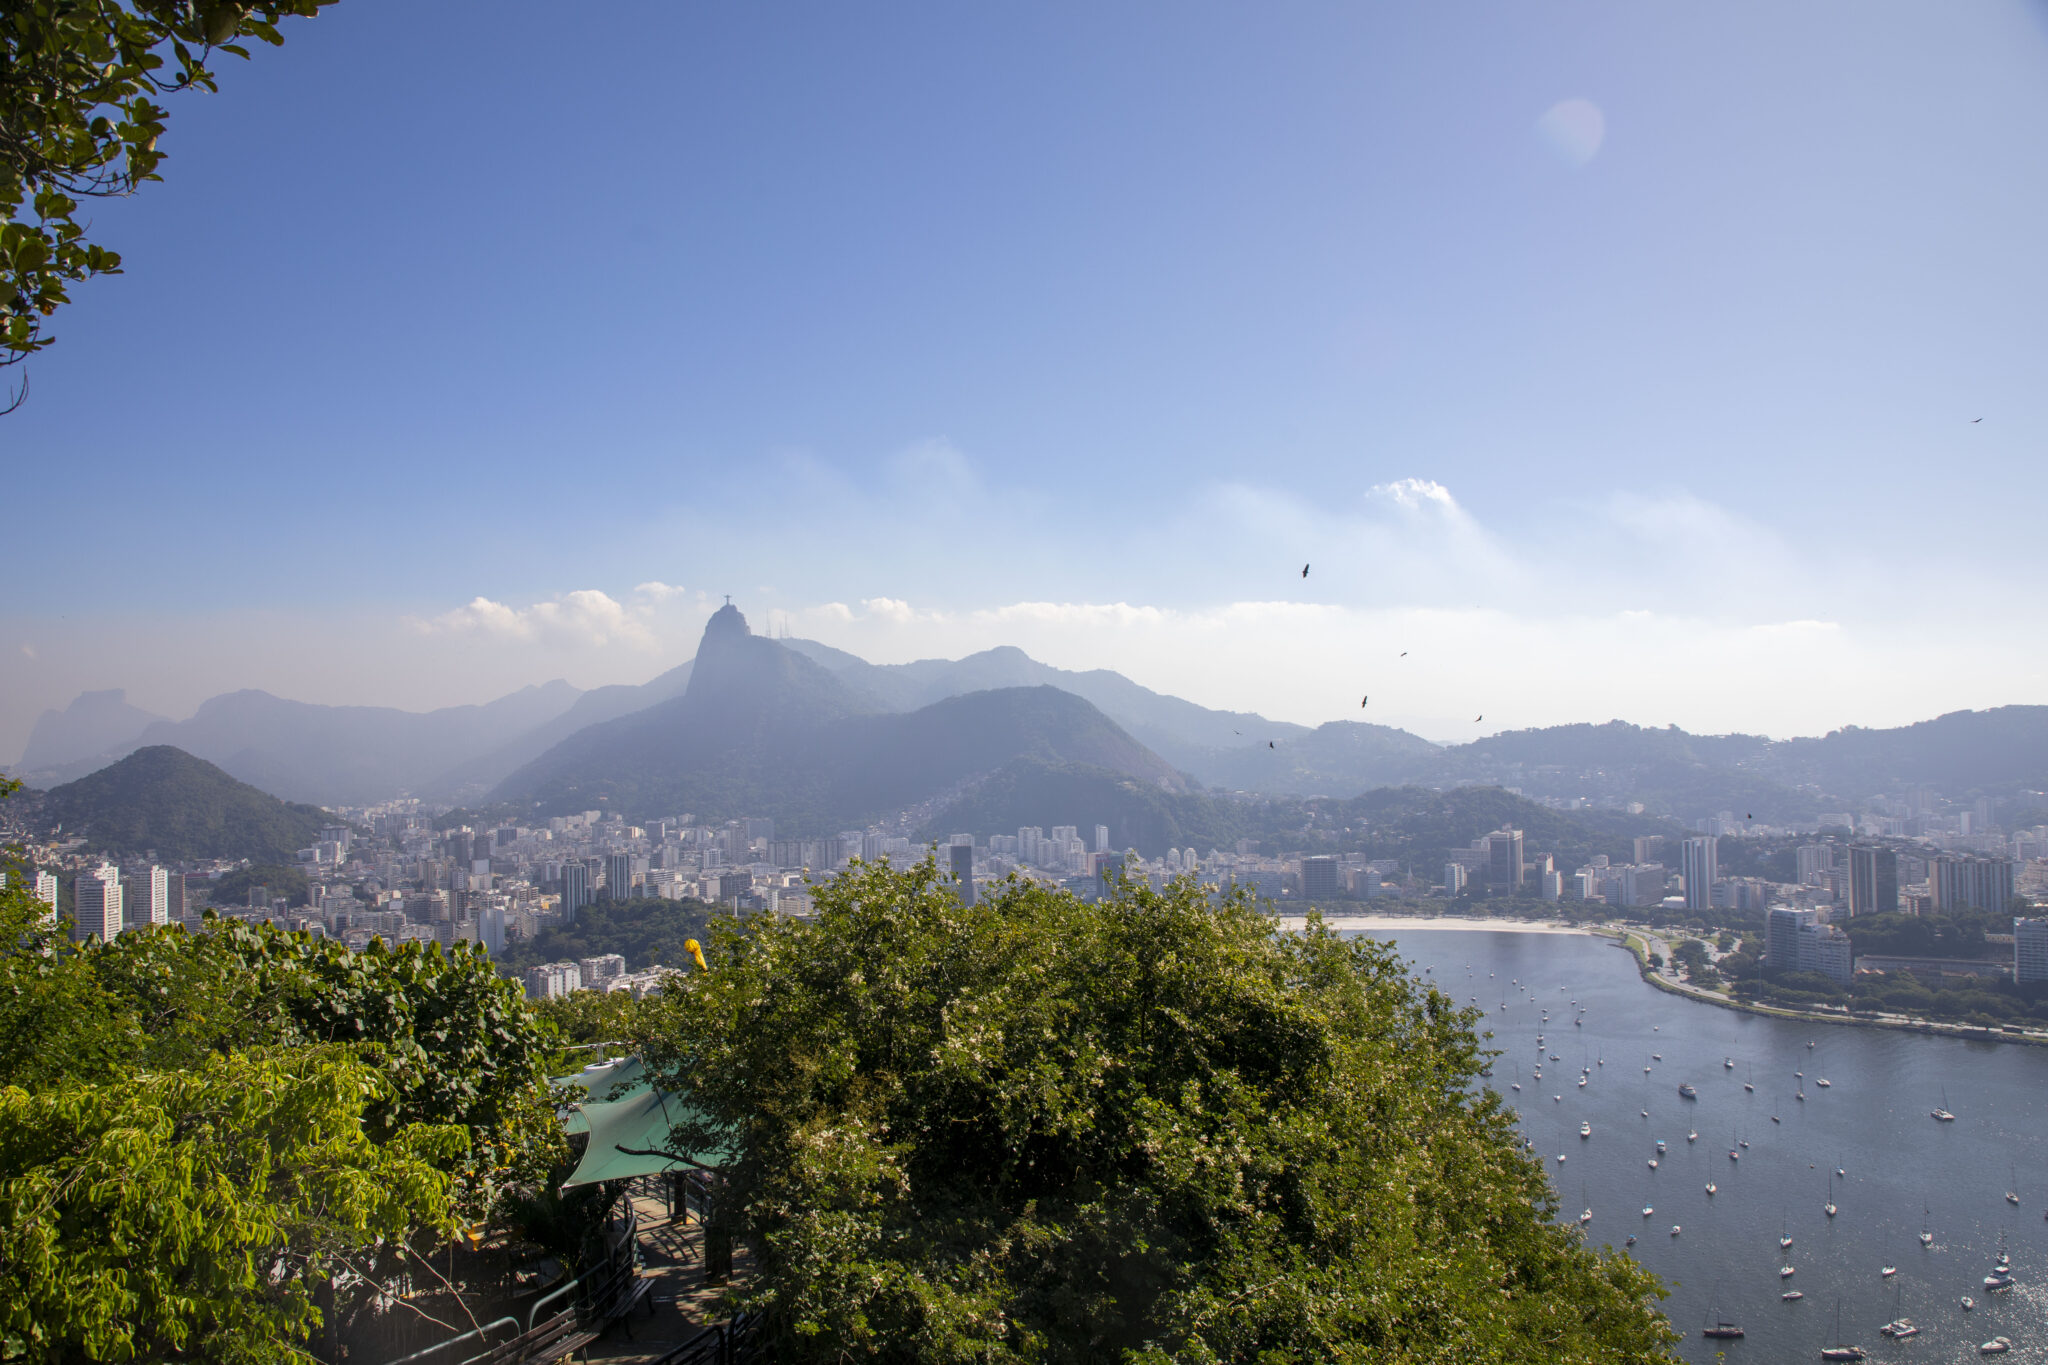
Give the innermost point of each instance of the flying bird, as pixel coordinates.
(1304, 571)
(1271, 745)
(1363, 700)
(1404, 653)
(1747, 816)
(1975, 420)
(1477, 719)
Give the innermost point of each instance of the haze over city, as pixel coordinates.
(1612, 362)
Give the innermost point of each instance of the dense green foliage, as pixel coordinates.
(1147, 1129)
(190, 1214)
(647, 932)
(183, 807)
(78, 86)
(1958, 934)
(196, 1128)
(1983, 1000)
(234, 888)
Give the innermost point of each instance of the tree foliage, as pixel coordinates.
(1151, 1128)
(79, 118)
(198, 1128)
(189, 1214)
(646, 931)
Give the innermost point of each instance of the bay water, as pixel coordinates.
(1902, 1169)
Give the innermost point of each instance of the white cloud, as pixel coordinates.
(586, 616)
(658, 591)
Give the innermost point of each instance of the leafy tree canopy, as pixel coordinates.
(234, 888)
(79, 81)
(189, 1214)
(1152, 1128)
(647, 932)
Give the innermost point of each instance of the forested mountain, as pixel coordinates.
(764, 730)
(183, 807)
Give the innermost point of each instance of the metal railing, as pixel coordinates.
(589, 1303)
(723, 1343)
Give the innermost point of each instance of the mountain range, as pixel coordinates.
(821, 735)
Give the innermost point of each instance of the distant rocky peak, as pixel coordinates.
(726, 624)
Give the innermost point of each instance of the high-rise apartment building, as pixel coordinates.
(618, 876)
(1319, 877)
(575, 889)
(1454, 879)
(1873, 880)
(1815, 861)
(146, 898)
(1504, 860)
(96, 905)
(1781, 937)
(960, 860)
(1102, 838)
(1968, 881)
(46, 892)
(2030, 950)
(1699, 864)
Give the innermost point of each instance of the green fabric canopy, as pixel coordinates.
(629, 1137)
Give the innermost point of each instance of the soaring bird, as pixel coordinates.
(1477, 719)
(1271, 745)
(1304, 571)
(1975, 420)
(1362, 701)
(1404, 653)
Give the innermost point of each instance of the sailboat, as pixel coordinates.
(1829, 1207)
(1942, 1115)
(1719, 1328)
(1750, 1084)
(1840, 1350)
(1926, 1237)
(1901, 1326)
(1784, 1232)
(2012, 1195)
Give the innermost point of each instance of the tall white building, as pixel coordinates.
(1102, 839)
(146, 898)
(1698, 865)
(96, 905)
(46, 892)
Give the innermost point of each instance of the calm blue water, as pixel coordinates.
(1872, 1121)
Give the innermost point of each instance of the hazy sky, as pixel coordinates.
(1612, 359)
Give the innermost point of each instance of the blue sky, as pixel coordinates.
(1621, 356)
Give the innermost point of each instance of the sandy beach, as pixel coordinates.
(1379, 924)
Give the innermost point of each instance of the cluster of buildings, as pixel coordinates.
(389, 872)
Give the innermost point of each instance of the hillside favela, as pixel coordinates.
(1023, 685)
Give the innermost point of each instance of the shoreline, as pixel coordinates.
(1379, 923)
(1629, 938)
